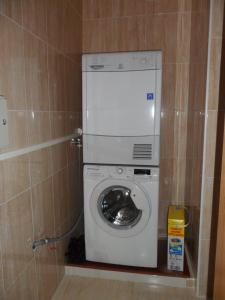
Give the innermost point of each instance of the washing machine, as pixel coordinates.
(121, 107)
(121, 214)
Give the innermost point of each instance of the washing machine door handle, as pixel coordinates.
(139, 198)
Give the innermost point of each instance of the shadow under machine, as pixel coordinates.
(121, 134)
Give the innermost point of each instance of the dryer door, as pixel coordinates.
(121, 208)
(120, 103)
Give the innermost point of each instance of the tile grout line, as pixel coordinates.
(24, 29)
(19, 275)
(33, 186)
(25, 86)
(2, 272)
(15, 196)
(113, 17)
(32, 218)
(43, 111)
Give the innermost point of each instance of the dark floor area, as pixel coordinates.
(161, 270)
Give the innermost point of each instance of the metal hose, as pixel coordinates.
(46, 241)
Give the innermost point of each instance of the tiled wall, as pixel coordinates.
(214, 112)
(131, 25)
(195, 122)
(40, 75)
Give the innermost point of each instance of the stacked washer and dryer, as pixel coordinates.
(121, 136)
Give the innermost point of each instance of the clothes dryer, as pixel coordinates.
(121, 107)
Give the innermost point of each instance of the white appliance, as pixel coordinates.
(121, 214)
(121, 107)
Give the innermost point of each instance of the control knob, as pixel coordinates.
(120, 170)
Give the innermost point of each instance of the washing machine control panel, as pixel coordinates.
(123, 172)
(129, 172)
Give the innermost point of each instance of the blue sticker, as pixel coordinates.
(175, 249)
(150, 96)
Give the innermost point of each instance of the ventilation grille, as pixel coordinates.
(142, 151)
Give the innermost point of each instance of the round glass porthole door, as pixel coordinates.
(117, 208)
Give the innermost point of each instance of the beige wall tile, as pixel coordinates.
(72, 34)
(163, 212)
(167, 134)
(35, 16)
(196, 181)
(78, 5)
(184, 5)
(12, 78)
(98, 36)
(15, 176)
(18, 135)
(197, 83)
(94, 9)
(182, 86)
(36, 73)
(76, 90)
(107, 35)
(125, 8)
(25, 287)
(169, 79)
(58, 124)
(149, 7)
(166, 180)
(124, 28)
(60, 188)
(40, 165)
(11, 9)
(214, 83)
(72, 86)
(161, 34)
(183, 37)
(59, 157)
(2, 290)
(43, 209)
(166, 6)
(200, 5)
(17, 234)
(199, 21)
(56, 69)
(72, 122)
(39, 127)
(180, 134)
(91, 38)
(75, 199)
(55, 21)
(73, 153)
(179, 181)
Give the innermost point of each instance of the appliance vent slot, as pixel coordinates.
(142, 151)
